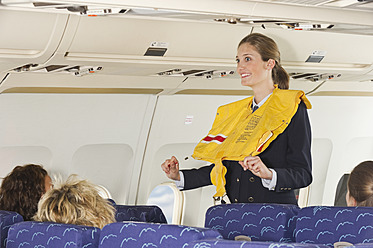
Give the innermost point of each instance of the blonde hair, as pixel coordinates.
(76, 202)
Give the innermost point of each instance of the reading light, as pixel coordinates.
(232, 21)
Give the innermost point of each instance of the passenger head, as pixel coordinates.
(360, 185)
(267, 48)
(76, 202)
(22, 188)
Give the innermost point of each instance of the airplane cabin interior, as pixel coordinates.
(110, 89)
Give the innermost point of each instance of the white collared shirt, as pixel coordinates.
(268, 183)
(262, 101)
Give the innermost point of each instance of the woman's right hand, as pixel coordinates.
(171, 168)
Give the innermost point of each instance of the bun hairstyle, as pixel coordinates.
(268, 49)
(360, 184)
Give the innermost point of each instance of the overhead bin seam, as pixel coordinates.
(4, 78)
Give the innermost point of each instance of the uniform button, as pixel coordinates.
(252, 179)
(251, 199)
(282, 189)
(238, 179)
(235, 200)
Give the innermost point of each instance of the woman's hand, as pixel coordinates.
(171, 168)
(256, 166)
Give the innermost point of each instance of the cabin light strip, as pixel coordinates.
(80, 90)
(322, 66)
(18, 52)
(230, 63)
(108, 58)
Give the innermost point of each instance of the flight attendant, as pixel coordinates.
(259, 147)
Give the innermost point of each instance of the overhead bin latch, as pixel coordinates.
(76, 70)
(24, 68)
(103, 11)
(208, 74)
(86, 71)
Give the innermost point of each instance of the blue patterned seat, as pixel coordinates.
(139, 213)
(365, 245)
(139, 234)
(327, 225)
(223, 243)
(261, 222)
(48, 234)
(7, 218)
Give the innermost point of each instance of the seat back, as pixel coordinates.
(7, 218)
(139, 213)
(223, 243)
(49, 234)
(139, 234)
(327, 225)
(261, 222)
(362, 245)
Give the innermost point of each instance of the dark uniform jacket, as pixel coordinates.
(289, 155)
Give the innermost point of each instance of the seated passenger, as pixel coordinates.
(22, 188)
(75, 202)
(360, 185)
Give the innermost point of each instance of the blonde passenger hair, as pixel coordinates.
(76, 201)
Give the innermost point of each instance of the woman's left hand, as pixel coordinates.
(256, 166)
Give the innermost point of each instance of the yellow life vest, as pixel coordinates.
(237, 132)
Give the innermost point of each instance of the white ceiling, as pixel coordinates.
(346, 16)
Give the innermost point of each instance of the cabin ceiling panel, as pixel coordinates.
(324, 11)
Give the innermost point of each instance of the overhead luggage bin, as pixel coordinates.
(25, 43)
(187, 47)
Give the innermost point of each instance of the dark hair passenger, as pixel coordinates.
(22, 189)
(360, 185)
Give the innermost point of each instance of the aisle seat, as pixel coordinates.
(30, 234)
(223, 243)
(7, 218)
(329, 224)
(259, 221)
(139, 213)
(139, 234)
